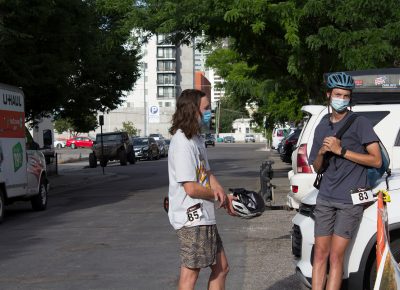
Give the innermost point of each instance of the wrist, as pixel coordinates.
(343, 152)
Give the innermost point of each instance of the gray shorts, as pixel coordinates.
(336, 218)
(199, 246)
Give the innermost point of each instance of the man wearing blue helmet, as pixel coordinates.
(347, 160)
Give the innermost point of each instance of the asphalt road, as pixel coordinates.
(111, 232)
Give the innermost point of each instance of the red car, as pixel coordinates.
(79, 142)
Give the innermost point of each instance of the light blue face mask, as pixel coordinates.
(206, 117)
(339, 105)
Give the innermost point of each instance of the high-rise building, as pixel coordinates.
(166, 70)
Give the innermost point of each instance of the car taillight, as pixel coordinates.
(295, 188)
(302, 160)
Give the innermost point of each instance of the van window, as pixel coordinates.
(279, 133)
(47, 138)
(397, 143)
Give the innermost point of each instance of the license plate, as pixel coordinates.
(362, 197)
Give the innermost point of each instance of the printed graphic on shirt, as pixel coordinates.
(201, 174)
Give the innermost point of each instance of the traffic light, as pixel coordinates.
(212, 122)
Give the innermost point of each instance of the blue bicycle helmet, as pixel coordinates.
(340, 80)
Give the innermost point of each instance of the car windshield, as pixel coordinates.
(138, 142)
(108, 138)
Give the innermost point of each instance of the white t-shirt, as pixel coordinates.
(187, 161)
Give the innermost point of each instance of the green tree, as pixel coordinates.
(286, 46)
(72, 58)
(75, 127)
(129, 128)
(229, 112)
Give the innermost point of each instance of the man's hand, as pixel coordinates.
(229, 207)
(332, 144)
(220, 195)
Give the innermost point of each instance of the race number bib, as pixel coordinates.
(362, 196)
(194, 214)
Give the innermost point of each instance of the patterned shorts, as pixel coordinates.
(199, 246)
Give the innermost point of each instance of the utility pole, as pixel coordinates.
(144, 100)
(218, 117)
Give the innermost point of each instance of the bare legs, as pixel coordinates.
(333, 247)
(217, 279)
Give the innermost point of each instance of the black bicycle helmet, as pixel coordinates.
(249, 204)
(340, 80)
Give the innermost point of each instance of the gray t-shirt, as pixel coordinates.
(343, 175)
(188, 162)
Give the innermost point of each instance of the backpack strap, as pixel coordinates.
(349, 122)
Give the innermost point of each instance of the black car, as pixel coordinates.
(146, 148)
(289, 144)
(209, 140)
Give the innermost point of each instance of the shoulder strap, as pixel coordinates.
(346, 126)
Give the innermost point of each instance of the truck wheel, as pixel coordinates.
(123, 158)
(73, 146)
(39, 201)
(1, 206)
(92, 160)
(59, 146)
(103, 162)
(131, 157)
(395, 248)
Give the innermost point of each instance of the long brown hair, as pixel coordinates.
(187, 110)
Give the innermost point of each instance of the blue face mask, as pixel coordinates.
(206, 117)
(339, 105)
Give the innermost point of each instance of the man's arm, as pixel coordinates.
(196, 190)
(372, 158)
(320, 158)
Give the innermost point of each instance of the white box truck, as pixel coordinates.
(22, 167)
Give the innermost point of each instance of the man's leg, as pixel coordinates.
(338, 248)
(219, 271)
(321, 252)
(188, 278)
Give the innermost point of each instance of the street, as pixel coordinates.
(111, 232)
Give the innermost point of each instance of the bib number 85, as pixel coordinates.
(194, 215)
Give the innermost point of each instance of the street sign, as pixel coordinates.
(154, 114)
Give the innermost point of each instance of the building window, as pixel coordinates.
(166, 52)
(166, 65)
(166, 79)
(167, 104)
(160, 104)
(247, 130)
(166, 92)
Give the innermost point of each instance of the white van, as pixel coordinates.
(277, 135)
(22, 167)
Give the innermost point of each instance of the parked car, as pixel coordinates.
(146, 148)
(289, 144)
(78, 142)
(209, 140)
(249, 138)
(167, 142)
(156, 136)
(59, 144)
(116, 146)
(277, 135)
(229, 139)
(162, 146)
(359, 263)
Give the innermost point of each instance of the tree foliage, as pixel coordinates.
(279, 50)
(71, 58)
(75, 127)
(129, 127)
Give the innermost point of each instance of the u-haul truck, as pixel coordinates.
(22, 167)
